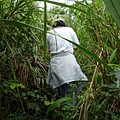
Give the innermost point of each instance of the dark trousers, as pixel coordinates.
(70, 89)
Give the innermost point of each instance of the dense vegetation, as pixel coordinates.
(24, 61)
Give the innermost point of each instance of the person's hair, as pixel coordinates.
(59, 23)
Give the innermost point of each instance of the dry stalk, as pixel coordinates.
(89, 93)
(96, 68)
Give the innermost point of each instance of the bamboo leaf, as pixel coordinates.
(45, 29)
(91, 55)
(57, 103)
(19, 24)
(112, 56)
(87, 52)
(113, 7)
(64, 5)
(14, 85)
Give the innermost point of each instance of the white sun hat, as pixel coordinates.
(58, 19)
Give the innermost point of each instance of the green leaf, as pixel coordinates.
(87, 52)
(64, 5)
(47, 103)
(20, 24)
(112, 56)
(113, 7)
(21, 85)
(14, 85)
(91, 55)
(34, 106)
(57, 103)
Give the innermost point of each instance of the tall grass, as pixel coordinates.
(24, 58)
(98, 33)
(22, 65)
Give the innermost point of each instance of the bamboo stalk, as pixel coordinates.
(95, 71)
(45, 29)
(89, 93)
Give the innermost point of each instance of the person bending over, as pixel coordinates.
(64, 69)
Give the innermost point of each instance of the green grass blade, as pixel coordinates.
(112, 56)
(64, 5)
(88, 53)
(113, 7)
(57, 104)
(20, 24)
(91, 55)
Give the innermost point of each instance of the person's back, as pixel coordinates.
(57, 43)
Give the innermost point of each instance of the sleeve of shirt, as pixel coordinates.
(75, 39)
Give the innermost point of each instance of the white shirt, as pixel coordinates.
(63, 67)
(56, 44)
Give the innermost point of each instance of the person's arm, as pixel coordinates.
(75, 49)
